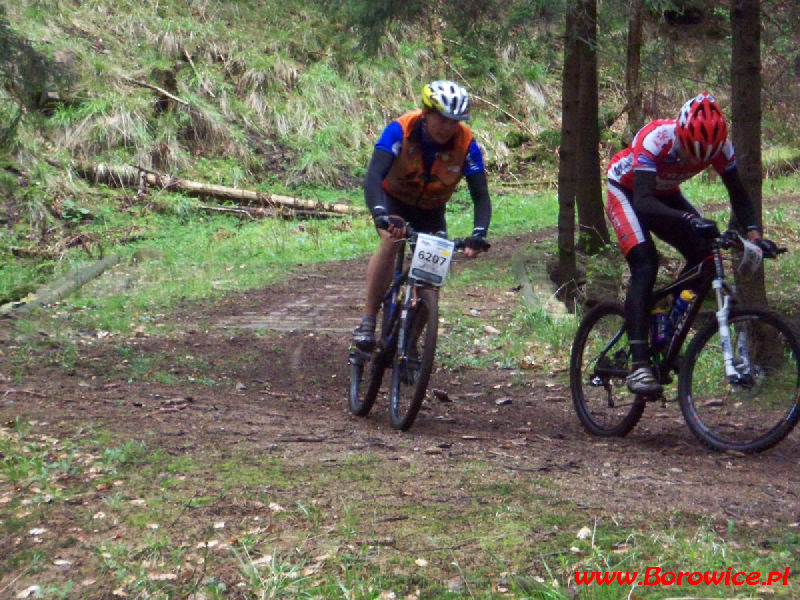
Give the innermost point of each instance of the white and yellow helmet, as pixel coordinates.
(449, 98)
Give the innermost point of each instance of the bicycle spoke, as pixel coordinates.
(599, 365)
(757, 407)
(413, 365)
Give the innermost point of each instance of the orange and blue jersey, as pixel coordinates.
(424, 174)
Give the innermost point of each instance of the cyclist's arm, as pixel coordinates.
(649, 208)
(741, 203)
(474, 172)
(373, 181)
(479, 191)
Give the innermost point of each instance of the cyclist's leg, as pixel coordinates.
(379, 272)
(692, 246)
(643, 263)
(379, 276)
(640, 252)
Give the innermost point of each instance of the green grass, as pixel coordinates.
(294, 113)
(507, 541)
(191, 256)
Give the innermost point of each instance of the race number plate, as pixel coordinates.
(432, 258)
(752, 257)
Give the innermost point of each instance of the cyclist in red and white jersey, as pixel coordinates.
(644, 198)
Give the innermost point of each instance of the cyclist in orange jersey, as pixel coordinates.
(417, 163)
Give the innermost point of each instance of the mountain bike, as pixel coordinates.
(737, 380)
(409, 325)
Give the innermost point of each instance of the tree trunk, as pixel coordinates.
(633, 87)
(592, 229)
(567, 150)
(746, 114)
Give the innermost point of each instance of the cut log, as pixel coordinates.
(53, 292)
(125, 176)
(257, 212)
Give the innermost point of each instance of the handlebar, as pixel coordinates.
(411, 235)
(732, 239)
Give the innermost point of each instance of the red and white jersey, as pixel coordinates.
(655, 149)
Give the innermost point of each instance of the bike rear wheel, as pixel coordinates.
(761, 408)
(413, 364)
(599, 364)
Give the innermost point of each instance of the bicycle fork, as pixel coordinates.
(737, 371)
(409, 301)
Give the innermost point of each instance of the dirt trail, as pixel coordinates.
(274, 372)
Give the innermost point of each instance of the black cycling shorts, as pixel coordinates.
(424, 221)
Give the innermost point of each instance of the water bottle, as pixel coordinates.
(661, 327)
(680, 307)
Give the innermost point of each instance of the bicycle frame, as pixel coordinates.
(400, 297)
(667, 360)
(704, 277)
(392, 298)
(708, 275)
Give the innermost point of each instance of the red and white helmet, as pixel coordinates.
(701, 129)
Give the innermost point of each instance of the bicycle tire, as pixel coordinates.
(599, 363)
(408, 386)
(364, 393)
(756, 414)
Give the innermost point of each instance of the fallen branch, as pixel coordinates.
(251, 212)
(196, 74)
(125, 176)
(257, 212)
(161, 91)
(529, 183)
(59, 289)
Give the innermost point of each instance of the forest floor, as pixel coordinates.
(263, 377)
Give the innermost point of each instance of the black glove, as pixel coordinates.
(768, 247)
(382, 221)
(476, 242)
(705, 227)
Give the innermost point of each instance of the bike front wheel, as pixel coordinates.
(599, 363)
(756, 408)
(367, 369)
(366, 374)
(412, 365)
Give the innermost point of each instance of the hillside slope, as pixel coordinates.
(289, 97)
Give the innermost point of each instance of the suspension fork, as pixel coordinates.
(409, 302)
(723, 311)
